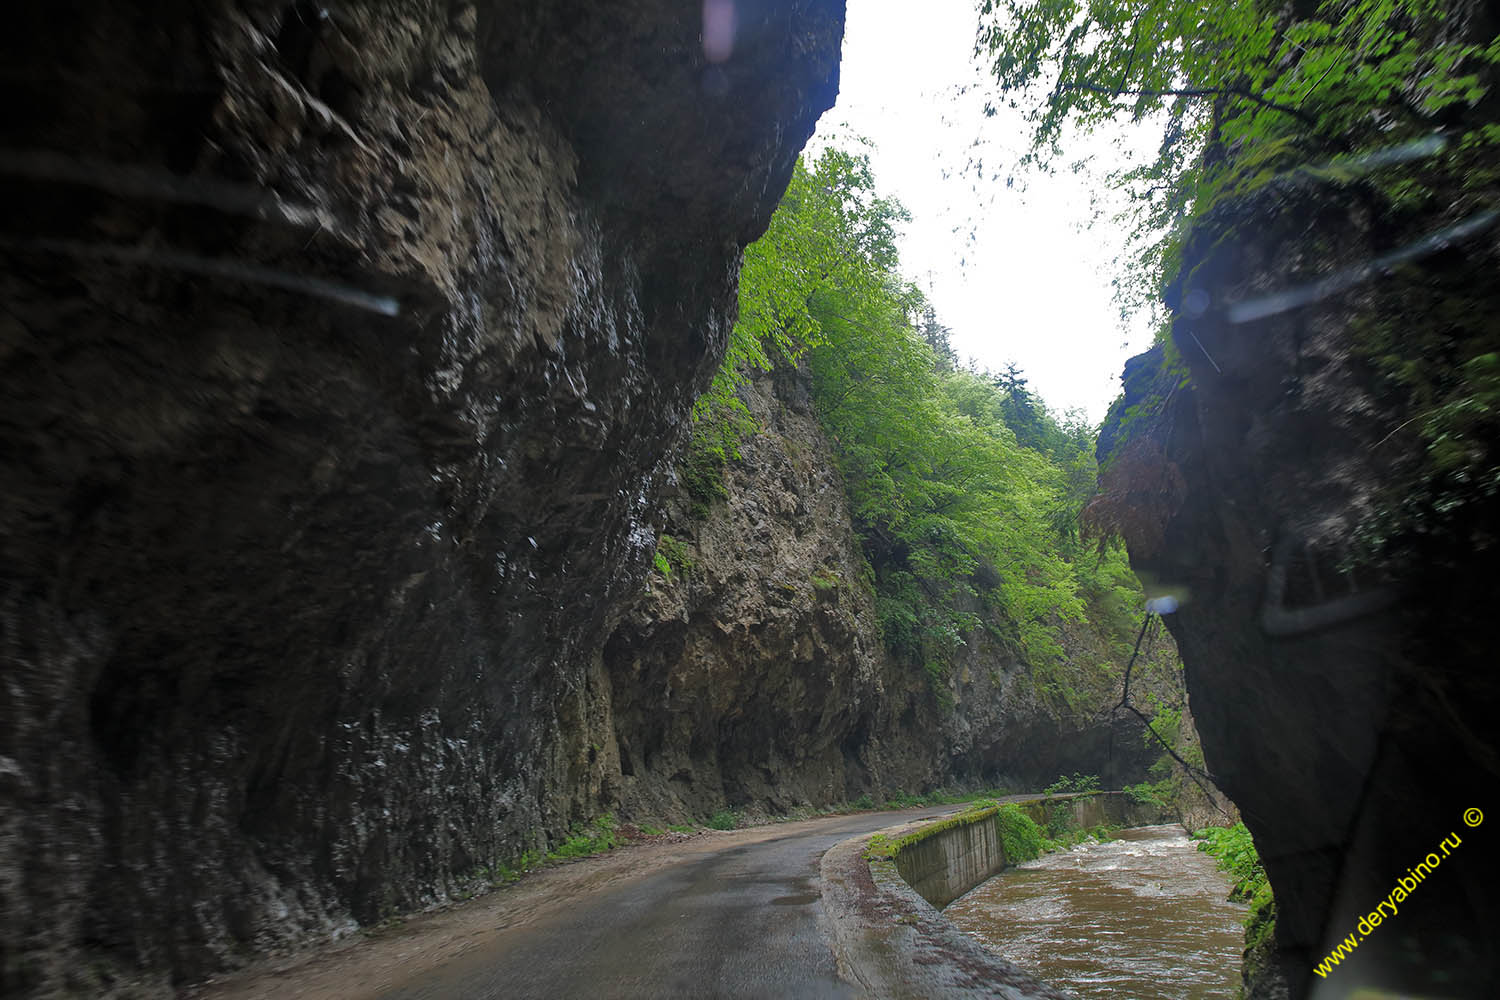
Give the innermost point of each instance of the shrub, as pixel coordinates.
(1019, 835)
(672, 554)
(724, 819)
(1061, 823)
(1150, 794)
(713, 443)
(826, 579)
(903, 800)
(586, 840)
(1077, 783)
(1235, 850)
(1260, 931)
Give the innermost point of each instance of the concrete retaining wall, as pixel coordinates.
(953, 859)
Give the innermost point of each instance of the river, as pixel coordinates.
(1142, 916)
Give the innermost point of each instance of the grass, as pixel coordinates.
(865, 803)
(588, 840)
(512, 870)
(1236, 854)
(937, 797)
(585, 840)
(1235, 851)
(1020, 836)
(602, 835)
(881, 846)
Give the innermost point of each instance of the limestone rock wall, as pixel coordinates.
(343, 349)
(753, 673)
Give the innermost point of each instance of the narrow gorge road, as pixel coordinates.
(721, 914)
(744, 921)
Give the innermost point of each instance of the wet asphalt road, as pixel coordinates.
(742, 922)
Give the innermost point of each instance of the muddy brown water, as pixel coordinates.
(1143, 916)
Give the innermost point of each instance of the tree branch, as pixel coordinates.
(1296, 113)
(1135, 42)
(1192, 772)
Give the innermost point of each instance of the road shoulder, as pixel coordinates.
(891, 943)
(367, 963)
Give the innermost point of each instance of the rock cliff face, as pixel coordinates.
(343, 348)
(1343, 684)
(753, 676)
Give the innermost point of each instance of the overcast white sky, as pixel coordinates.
(1032, 286)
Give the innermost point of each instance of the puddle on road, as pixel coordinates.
(1143, 917)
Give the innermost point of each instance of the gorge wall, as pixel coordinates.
(344, 348)
(754, 673)
(1334, 562)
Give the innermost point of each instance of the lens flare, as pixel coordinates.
(719, 25)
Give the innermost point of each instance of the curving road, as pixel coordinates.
(745, 921)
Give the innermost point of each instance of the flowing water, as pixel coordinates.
(1143, 917)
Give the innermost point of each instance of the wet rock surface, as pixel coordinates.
(753, 672)
(343, 351)
(1346, 703)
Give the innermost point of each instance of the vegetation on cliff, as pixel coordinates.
(1384, 108)
(1021, 837)
(1234, 849)
(1249, 95)
(965, 487)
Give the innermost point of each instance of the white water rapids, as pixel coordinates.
(1141, 917)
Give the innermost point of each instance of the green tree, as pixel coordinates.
(1244, 92)
(831, 230)
(937, 336)
(964, 487)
